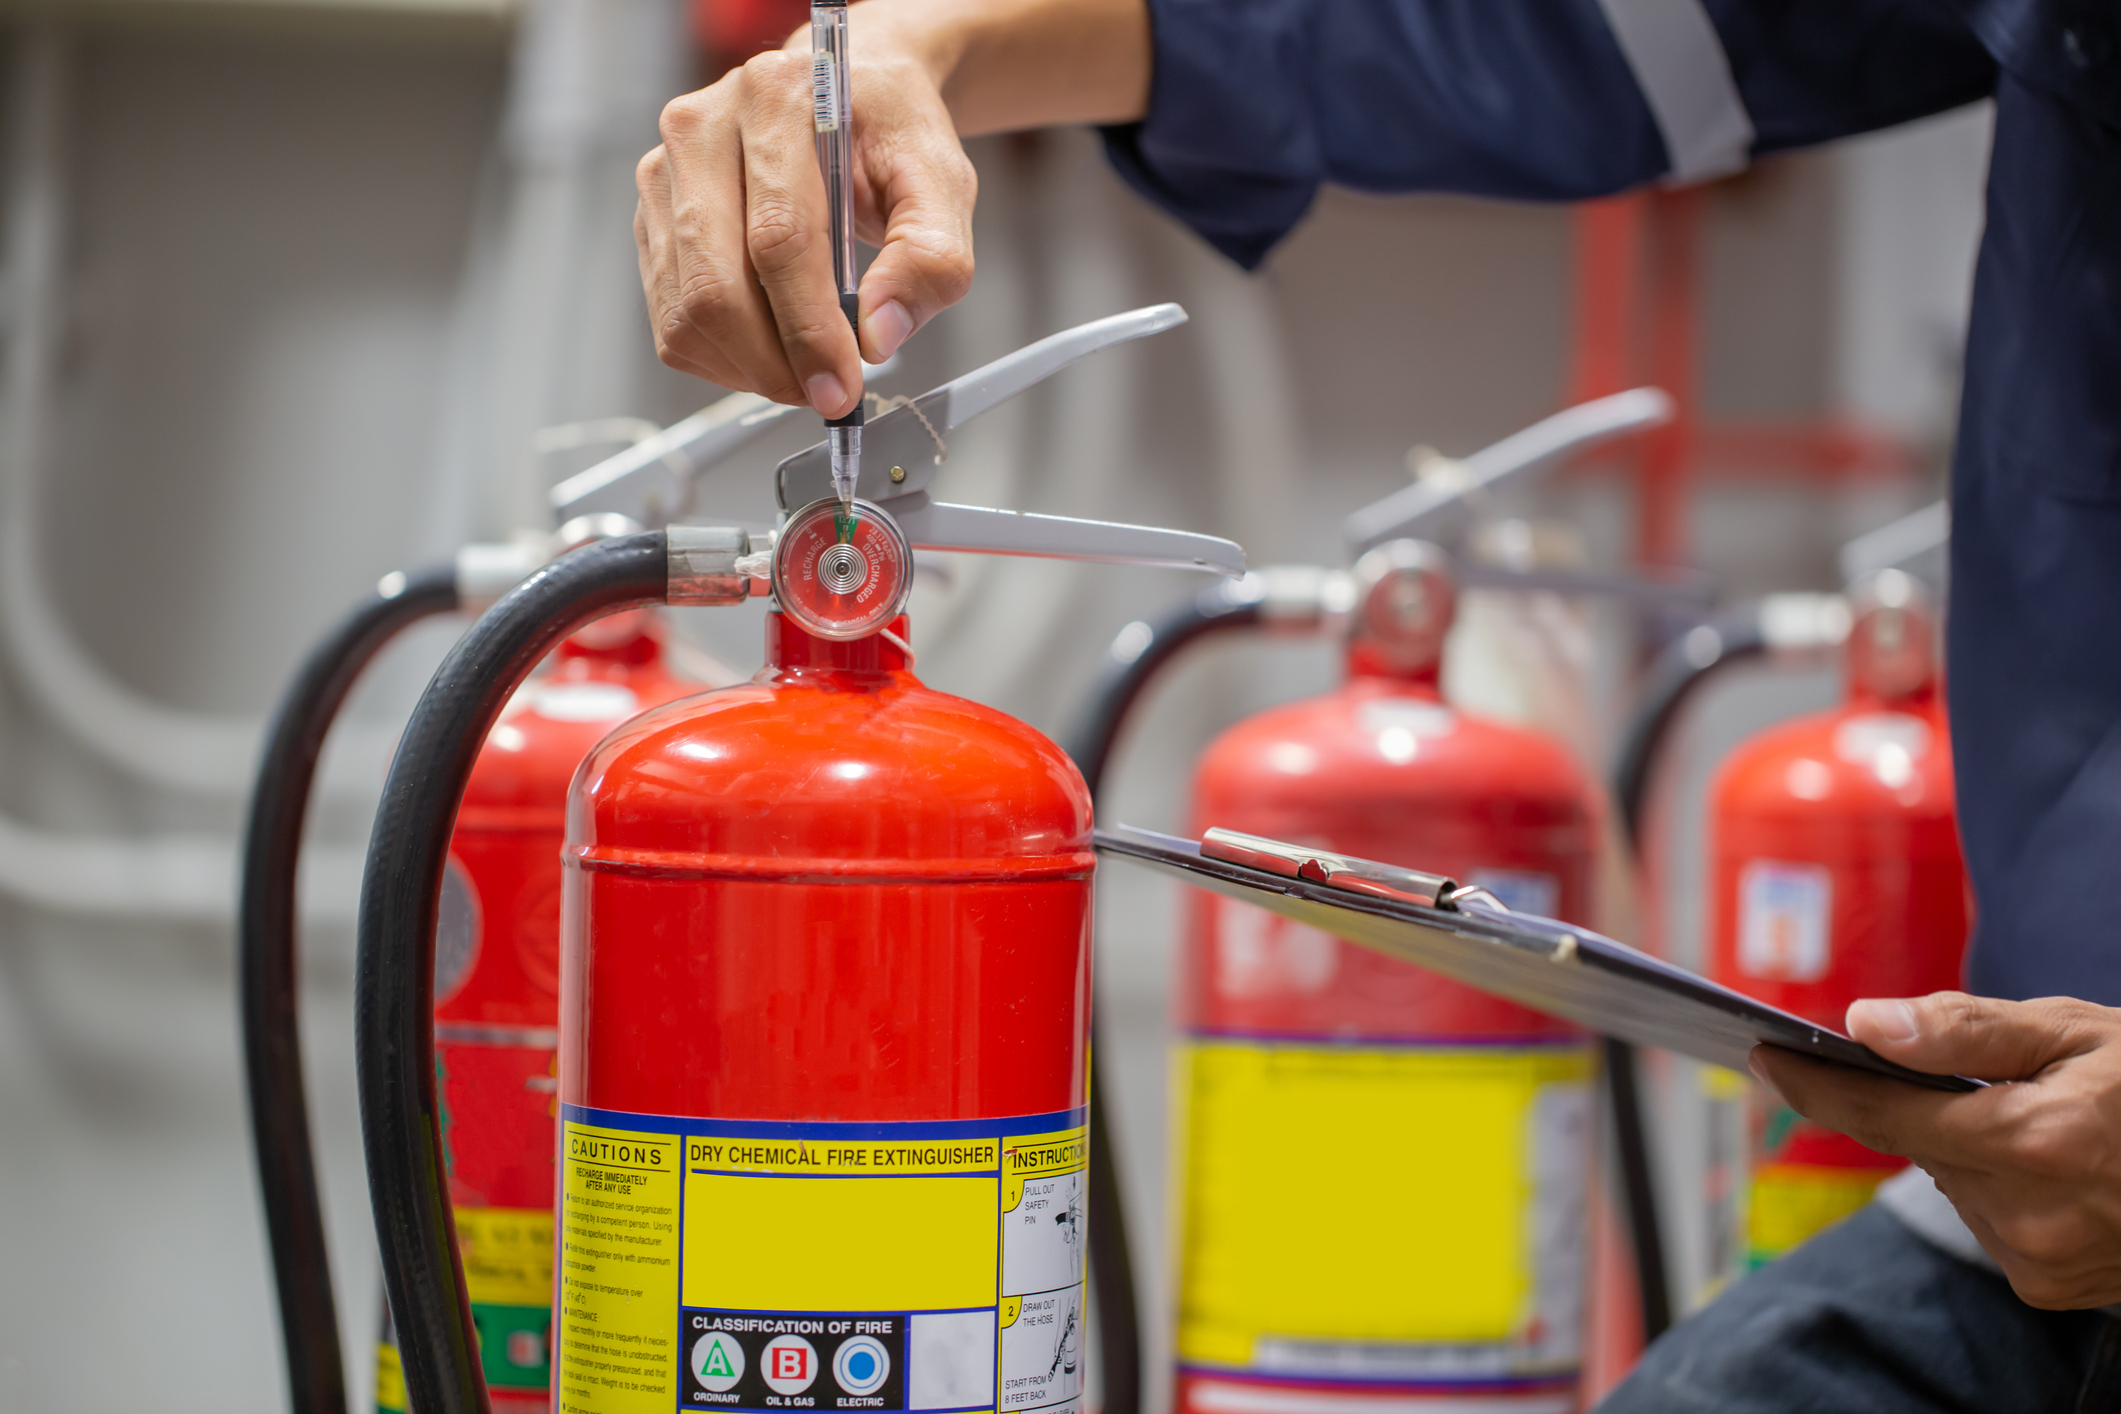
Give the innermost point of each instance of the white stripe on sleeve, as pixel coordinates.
(1686, 77)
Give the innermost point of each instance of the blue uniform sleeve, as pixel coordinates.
(1256, 103)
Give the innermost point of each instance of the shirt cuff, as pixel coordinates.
(1227, 144)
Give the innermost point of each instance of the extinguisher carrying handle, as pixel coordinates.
(400, 898)
(1439, 505)
(652, 481)
(266, 966)
(906, 444)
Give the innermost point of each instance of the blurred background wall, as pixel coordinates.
(292, 285)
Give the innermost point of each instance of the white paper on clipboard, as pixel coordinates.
(1565, 971)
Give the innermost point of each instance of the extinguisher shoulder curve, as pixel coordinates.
(1367, 741)
(851, 779)
(524, 768)
(1855, 761)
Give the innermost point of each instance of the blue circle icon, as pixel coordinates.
(861, 1365)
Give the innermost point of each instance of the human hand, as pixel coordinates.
(2032, 1163)
(736, 256)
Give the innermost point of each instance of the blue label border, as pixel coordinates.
(1004, 1126)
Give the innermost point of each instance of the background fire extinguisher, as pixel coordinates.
(1422, 1146)
(1269, 958)
(1834, 867)
(499, 999)
(824, 998)
(1836, 876)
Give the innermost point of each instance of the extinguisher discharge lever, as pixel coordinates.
(905, 446)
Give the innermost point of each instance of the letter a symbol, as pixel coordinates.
(716, 1363)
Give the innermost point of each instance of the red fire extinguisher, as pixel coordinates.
(1837, 876)
(1264, 999)
(1383, 1191)
(495, 887)
(497, 975)
(824, 979)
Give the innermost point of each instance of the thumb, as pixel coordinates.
(924, 263)
(1951, 1033)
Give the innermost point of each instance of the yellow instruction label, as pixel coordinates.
(507, 1255)
(618, 1336)
(1382, 1210)
(804, 1267)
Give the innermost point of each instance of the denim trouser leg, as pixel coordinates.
(1866, 1318)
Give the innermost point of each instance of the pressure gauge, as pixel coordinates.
(836, 586)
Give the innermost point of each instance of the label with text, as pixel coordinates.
(929, 1268)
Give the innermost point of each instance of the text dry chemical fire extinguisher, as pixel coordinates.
(824, 992)
(598, 677)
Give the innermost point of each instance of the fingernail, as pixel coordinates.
(1891, 1019)
(889, 324)
(827, 394)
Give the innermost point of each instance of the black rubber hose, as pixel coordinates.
(1680, 669)
(394, 973)
(1131, 664)
(266, 967)
(1129, 667)
(1672, 679)
(1638, 1186)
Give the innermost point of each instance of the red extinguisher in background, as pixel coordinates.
(497, 992)
(1836, 876)
(824, 977)
(1297, 1046)
(1835, 867)
(1310, 1068)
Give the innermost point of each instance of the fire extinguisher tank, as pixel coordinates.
(1419, 1146)
(824, 1028)
(1837, 876)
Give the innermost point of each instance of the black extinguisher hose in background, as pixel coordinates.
(401, 891)
(1690, 660)
(1638, 1185)
(272, 1046)
(1735, 636)
(1128, 672)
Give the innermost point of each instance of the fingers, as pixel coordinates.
(1869, 1109)
(2056, 1256)
(1888, 1115)
(788, 233)
(924, 193)
(733, 229)
(736, 183)
(1951, 1033)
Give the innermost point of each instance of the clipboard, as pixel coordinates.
(1467, 935)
